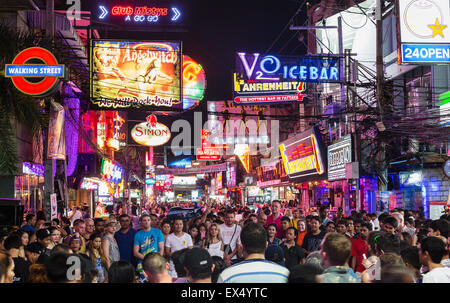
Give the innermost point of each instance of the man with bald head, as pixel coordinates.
(262, 218)
(90, 226)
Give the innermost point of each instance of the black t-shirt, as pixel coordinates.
(312, 242)
(21, 270)
(292, 255)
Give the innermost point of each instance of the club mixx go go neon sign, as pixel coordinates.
(51, 72)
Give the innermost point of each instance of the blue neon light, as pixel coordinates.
(181, 163)
(430, 53)
(104, 12)
(39, 70)
(177, 14)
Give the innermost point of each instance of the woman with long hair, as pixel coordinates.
(195, 235)
(213, 241)
(271, 234)
(95, 252)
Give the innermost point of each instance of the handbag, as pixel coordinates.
(227, 247)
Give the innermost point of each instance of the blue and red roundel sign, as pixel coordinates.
(50, 71)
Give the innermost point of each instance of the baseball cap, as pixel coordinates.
(197, 261)
(35, 247)
(43, 233)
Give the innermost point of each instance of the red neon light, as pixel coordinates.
(139, 10)
(29, 88)
(122, 10)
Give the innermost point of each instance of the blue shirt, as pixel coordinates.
(148, 243)
(28, 228)
(126, 243)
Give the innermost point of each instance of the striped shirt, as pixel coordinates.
(254, 271)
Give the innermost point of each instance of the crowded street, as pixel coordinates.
(262, 142)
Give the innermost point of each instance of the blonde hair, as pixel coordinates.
(209, 237)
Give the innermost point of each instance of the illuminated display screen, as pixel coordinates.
(140, 13)
(424, 31)
(194, 82)
(136, 75)
(273, 79)
(302, 155)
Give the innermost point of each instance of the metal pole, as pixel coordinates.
(382, 180)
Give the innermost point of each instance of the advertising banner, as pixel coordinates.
(339, 155)
(275, 79)
(302, 155)
(134, 75)
(423, 31)
(56, 142)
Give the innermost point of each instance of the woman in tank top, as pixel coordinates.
(109, 244)
(213, 242)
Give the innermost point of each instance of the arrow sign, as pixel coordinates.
(177, 14)
(104, 12)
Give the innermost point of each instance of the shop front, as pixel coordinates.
(343, 186)
(29, 186)
(304, 163)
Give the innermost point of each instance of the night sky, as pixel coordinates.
(216, 30)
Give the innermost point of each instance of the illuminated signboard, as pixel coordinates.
(219, 179)
(271, 174)
(231, 175)
(208, 152)
(444, 108)
(90, 184)
(424, 32)
(150, 181)
(194, 82)
(339, 154)
(111, 171)
(136, 75)
(140, 13)
(50, 72)
(184, 181)
(270, 79)
(185, 162)
(243, 153)
(302, 155)
(33, 169)
(151, 133)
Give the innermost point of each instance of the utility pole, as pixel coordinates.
(49, 181)
(381, 156)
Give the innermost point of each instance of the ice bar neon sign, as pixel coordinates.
(278, 68)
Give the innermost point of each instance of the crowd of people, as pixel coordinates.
(274, 243)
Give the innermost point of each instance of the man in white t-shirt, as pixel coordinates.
(431, 251)
(178, 239)
(231, 236)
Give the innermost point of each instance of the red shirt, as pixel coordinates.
(277, 222)
(359, 247)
